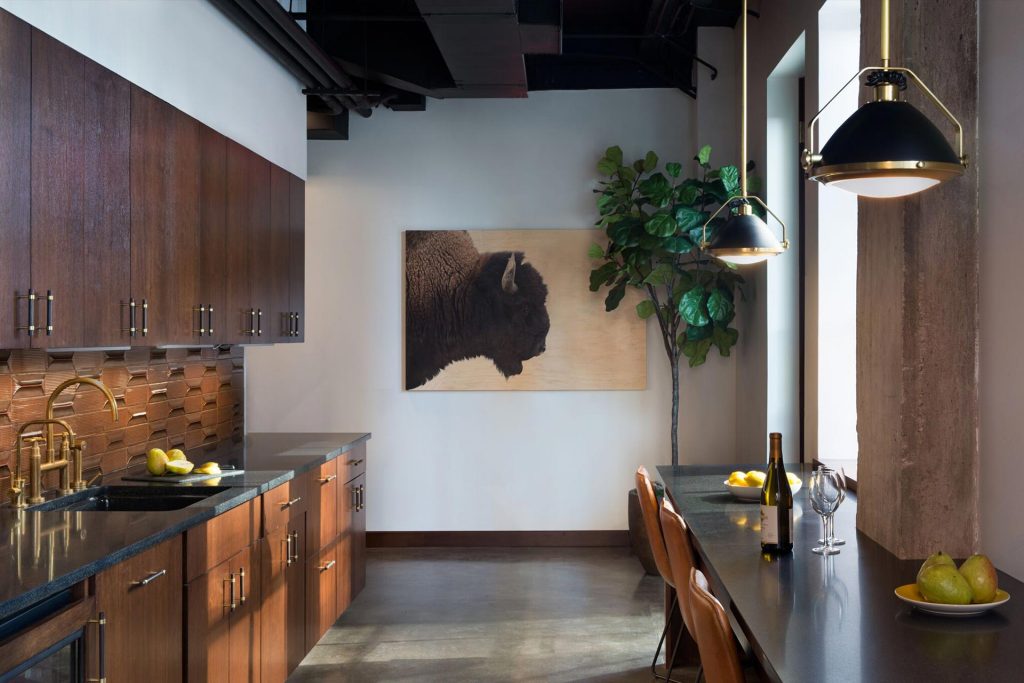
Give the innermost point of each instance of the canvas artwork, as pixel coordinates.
(511, 310)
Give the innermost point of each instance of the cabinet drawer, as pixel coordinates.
(282, 503)
(321, 594)
(352, 463)
(209, 544)
(322, 513)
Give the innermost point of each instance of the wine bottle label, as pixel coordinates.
(769, 524)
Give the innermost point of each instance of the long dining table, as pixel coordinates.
(836, 618)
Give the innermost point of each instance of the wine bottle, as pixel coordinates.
(776, 502)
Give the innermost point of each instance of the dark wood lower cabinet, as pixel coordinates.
(321, 594)
(142, 598)
(223, 621)
(283, 609)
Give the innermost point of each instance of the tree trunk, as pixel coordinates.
(675, 411)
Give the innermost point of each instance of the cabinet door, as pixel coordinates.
(80, 194)
(213, 273)
(283, 610)
(279, 323)
(142, 599)
(357, 542)
(296, 574)
(209, 605)
(351, 541)
(245, 618)
(245, 195)
(322, 520)
(321, 595)
(15, 178)
(297, 269)
(165, 221)
(261, 276)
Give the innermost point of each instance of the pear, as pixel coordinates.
(179, 466)
(937, 558)
(176, 454)
(942, 583)
(156, 462)
(980, 575)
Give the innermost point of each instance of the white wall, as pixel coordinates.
(477, 460)
(189, 54)
(1001, 390)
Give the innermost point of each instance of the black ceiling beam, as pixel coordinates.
(371, 18)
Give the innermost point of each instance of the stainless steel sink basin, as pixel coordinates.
(131, 499)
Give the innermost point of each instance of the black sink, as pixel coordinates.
(131, 499)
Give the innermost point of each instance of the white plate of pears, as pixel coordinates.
(746, 486)
(945, 590)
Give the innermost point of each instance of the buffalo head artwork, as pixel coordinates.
(462, 304)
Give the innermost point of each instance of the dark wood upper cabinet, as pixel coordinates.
(80, 195)
(297, 256)
(261, 275)
(165, 242)
(280, 321)
(212, 317)
(240, 314)
(15, 178)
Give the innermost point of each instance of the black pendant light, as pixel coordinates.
(887, 148)
(744, 238)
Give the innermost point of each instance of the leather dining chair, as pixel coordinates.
(681, 559)
(719, 655)
(652, 524)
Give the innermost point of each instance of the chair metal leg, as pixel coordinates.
(669, 658)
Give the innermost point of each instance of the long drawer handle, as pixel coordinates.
(329, 478)
(31, 299)
(231, 604)
(355, 463)
(288, 548)
(295, 546)
(355, 498)
(101, 642)
(289, 503)
(259, 322)
(209, 313)
(153, 576)
(362, 499)
(327, 566)
(131, 329)
(201, 309)
(252, 322)
(241, 585)
(49, 312)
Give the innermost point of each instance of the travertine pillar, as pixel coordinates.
(917, 310)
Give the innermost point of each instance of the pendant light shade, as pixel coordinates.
(887, 148)
(744, 238)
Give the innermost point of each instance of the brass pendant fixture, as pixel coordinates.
(887, 148)
(744, 238)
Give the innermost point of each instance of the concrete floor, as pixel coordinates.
(527, 614)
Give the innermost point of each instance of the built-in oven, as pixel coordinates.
(56, 640)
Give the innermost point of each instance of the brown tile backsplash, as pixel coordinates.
(167, 398)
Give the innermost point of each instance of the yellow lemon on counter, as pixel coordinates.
(176, 454)
(755, 478)
(156, 462)
(793, 479)
(738, 479)
(179, 466)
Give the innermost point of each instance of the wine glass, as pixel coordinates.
(823, 493)
(830, 532)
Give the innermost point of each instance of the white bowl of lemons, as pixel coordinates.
(747, 485)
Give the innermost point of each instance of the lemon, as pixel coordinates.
(208, 468)
(176, 454)
(755, 478)
(738, 479)
(179, 466)
(156, 461)
(793, 479)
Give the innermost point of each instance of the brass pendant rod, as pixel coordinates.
(743, 109)
(885, 34)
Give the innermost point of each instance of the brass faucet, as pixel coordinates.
(70, 462)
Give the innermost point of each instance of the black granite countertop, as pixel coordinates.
(48, 551)
(810, 618)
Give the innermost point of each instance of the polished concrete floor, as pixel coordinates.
(527, 614)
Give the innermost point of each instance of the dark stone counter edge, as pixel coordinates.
(201, 514)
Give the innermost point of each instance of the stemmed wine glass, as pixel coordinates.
(831, 531)
(824, 492)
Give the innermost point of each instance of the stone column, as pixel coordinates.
(917, 309)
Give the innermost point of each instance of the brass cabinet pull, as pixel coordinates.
(259, 322)
(145, 318)
(31, 299)
(297, 332)
(209, 312)
(355, 498)
(201, 309)
(288, 548)
(289, 503)
(295, 545)
(49, 312)
(362, 500)
(131, 329)
(327, 566)
(101, 642)
(328, 479)
(355, 463)
(252, 322)
(231, 604)
(153, 576)
(241, 585)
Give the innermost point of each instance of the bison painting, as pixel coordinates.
(462, 304)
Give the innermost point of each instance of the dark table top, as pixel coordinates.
(810, 618)
(47, 551)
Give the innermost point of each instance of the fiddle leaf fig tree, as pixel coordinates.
(654, 221)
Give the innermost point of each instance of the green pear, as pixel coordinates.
(980, 575)
(937, 558)
(942, 583)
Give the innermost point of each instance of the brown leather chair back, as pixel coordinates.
(649, 511)
(713, 634)
(680, 557)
